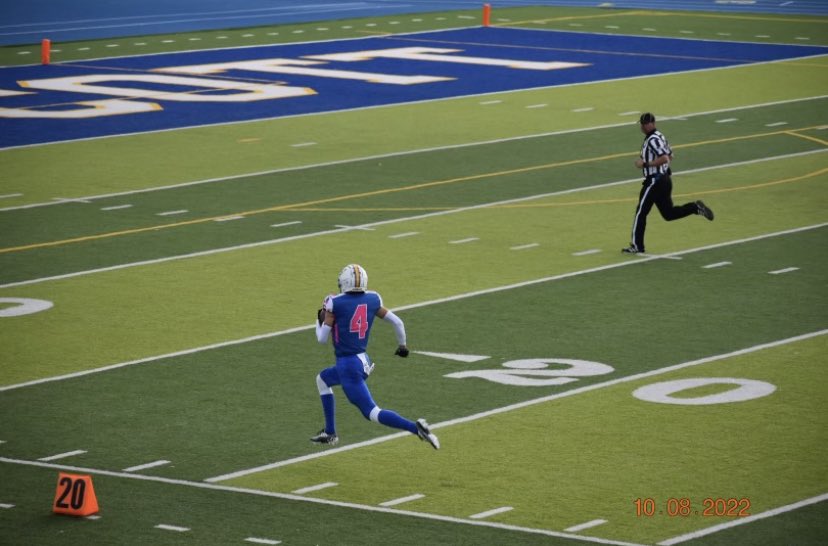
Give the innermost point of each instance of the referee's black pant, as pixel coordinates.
(657, 190)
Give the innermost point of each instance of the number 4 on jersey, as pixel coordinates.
(359, 320)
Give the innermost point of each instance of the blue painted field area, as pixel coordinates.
(136, 94)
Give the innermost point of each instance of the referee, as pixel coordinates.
(657, 187)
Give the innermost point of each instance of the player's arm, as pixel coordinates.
(324, 321)
(399, 329)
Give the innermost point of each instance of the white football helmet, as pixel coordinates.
(353, 278)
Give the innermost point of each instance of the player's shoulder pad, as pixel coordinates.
(374, 294)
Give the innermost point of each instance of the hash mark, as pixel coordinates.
(495, 511)
(146, 466)
(316, 487)
(586, 525)
(171, 528)
(717, 264)
(401, 500)
(63, 455)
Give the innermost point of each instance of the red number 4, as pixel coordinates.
(359, 322)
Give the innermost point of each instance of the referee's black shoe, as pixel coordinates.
(704, 211)
(631, 250)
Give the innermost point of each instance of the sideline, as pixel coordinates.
(742, 521)
(312, 500)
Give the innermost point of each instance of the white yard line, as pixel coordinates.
(393, 154)
(623, 263)
(389, 222)
(741, 521)
(313, 500)
(526, 403)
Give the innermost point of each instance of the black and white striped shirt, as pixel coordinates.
(655, 145)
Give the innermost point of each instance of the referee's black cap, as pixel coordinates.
(646, 118)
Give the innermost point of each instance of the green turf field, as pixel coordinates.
(543, 356)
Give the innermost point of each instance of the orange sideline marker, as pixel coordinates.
(45, 51)
(75, 495)
(487, 14)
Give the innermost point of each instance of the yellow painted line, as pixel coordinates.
(808, 137)
(759, 185)
(423, 185)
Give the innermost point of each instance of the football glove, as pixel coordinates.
(402, 351)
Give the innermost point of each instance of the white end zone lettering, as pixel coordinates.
(247, 91)
(91, 109)
(300, 67)
(435, 54)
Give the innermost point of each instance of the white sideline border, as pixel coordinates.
(403, 153)
(313, 500)
(267, 335)
(741, 521)
(393, 221)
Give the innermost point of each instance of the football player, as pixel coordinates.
(348, 317)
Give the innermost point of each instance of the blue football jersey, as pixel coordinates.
(355, 312)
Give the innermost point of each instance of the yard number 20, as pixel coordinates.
(534, 372)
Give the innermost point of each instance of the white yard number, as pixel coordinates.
(741, 390)
(535, 372)
(16, 307)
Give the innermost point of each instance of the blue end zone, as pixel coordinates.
(606, 57)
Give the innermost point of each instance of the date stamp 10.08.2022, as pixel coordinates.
(684, 507)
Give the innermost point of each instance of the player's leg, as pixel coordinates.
(356, 389)
(327, 378)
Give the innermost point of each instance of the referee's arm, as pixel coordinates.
(659, 161)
